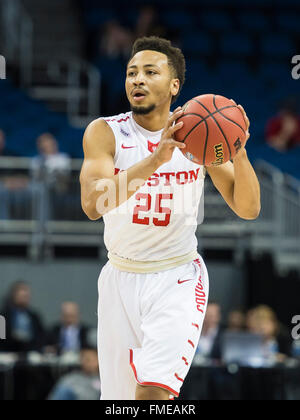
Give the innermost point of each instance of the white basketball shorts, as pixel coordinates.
(149, 327)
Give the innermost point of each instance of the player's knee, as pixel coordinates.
(151, 393)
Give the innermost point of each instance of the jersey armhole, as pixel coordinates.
(115, 137)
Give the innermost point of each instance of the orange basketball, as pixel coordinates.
(214, 130)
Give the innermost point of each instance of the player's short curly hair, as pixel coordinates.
(175, 56)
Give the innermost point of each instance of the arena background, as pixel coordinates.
(65, 66)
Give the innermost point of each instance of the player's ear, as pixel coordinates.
(175, 85)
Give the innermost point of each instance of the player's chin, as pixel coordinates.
(142, 109)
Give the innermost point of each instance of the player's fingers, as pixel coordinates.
(177, 144)
(170, 123)
(245, 116)
(175, 127)
(176, 114)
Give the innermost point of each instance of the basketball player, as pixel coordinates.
(153, 291)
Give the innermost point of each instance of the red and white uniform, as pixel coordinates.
(153, 291)
(160, 220)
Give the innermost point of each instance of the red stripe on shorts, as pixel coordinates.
(185, 361)
(191, 343)
(177, 377)
(150, 383)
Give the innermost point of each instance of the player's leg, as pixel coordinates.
(151, 393)
(116, 334)
(174, 305)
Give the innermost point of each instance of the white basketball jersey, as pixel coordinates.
(159, 221)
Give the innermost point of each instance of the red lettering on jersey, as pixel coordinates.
(152, 146)
(178, 176)
(160, 209)
(167, 175)
(199, 293)
(153, 181)
(144, 208)
(194, 175)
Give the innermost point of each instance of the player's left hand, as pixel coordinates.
(246, 121)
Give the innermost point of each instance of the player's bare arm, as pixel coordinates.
(98, 170)
(238, 184)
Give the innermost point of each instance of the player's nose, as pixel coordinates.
(139, 79)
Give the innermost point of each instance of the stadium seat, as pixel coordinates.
(216, 21)
(289, 22)
(24, 119)
(94, 18)
(177, 19)
(197, 43)
(277, 45)
(236, 44)
(251, 3)
(70, 141)
(253, 21)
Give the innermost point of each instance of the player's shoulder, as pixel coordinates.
(100, 133)
(106, 124)
(98, 136)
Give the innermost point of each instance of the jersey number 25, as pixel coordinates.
(147, 207)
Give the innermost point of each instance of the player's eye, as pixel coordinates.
(151, 72)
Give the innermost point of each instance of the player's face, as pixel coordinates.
(149, 81)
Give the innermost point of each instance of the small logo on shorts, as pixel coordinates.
(183, 281)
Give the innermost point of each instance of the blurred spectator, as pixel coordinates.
(209, 345)
(70, 335)
(83, 385)
(263, 320)
(51, 165)
(54, 169)
(148, 23)
(236, 320)
(24, 330)
(283, 130)
(116, 40)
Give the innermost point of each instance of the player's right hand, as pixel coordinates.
(166, 147)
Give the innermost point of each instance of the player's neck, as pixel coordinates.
(154, 121)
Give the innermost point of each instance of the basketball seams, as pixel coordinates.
(220, 128)
(227, 118)
(203, 118)
(206, 141)
(193, 128)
